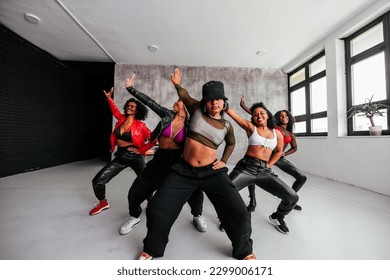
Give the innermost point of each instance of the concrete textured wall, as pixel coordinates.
(266, 85)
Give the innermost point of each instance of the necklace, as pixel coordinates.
(220, 117)
(180, 116)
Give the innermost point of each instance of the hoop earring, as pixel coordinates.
(204, 109)
(225, 106)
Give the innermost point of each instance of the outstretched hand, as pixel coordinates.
(109, 94)
(242, 102)
(243, 106)
(130, 82)
(176, 76)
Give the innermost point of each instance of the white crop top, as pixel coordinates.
(256, 140)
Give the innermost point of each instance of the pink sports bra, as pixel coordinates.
(178, 137)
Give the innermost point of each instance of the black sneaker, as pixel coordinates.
(251, 207)
(297, 207)
(279, 223)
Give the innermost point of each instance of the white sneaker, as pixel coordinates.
(129, 224)
(200, 223)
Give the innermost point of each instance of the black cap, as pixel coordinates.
(213, 90)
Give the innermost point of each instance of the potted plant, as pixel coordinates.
(369, 110)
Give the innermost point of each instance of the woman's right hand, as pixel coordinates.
(176, 76)
(109, 94)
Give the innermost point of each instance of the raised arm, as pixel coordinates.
(146, 100)
(114, 109)
(176, 76)
(243, 106)
(188, 101)
(243, 123)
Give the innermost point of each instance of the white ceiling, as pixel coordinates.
(221, 33)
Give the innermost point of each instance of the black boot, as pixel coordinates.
(297, 207)
(252, 203)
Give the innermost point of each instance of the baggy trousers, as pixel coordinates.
(250, 170)
(154, 174)
(181, 183)
(123, 159)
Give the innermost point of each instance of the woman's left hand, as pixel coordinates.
(130, 82)
(218, 164)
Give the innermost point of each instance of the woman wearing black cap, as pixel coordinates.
(170, 133)
(200, 169)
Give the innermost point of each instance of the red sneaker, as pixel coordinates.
(145, 257)
(102, 205)
(250, 257)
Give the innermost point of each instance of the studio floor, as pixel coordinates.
(44, 216)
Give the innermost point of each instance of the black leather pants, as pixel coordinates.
(290, 168)
(253, 171)
(123, 159)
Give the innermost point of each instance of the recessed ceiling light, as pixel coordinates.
(153, 48)
(32, 18)
(261, 52)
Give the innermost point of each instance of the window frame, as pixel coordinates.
(308, 116)
(370, 52)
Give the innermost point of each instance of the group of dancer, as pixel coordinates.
(186, 165)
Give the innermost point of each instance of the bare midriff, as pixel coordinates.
(197, 154)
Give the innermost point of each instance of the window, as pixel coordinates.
(308, 97)
(367, 62)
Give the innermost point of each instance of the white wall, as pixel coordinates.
(361, 161)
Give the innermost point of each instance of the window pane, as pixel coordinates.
(319, 125)
(318, 96)
(361, 123)
(367, 40)
(298, 102)
(297, 77)
(300, 127)
(317, 66)
(368, 78)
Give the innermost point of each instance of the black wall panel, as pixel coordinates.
(42, 108)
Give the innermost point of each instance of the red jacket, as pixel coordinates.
(140, 133)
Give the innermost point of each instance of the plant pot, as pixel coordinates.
(375, 130)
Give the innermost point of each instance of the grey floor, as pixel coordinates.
(44, 215)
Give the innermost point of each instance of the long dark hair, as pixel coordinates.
(291, 120)
(141, 112)
(271, 119)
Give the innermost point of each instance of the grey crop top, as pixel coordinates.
(200, 126)
(205, 129)
(256, 140)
